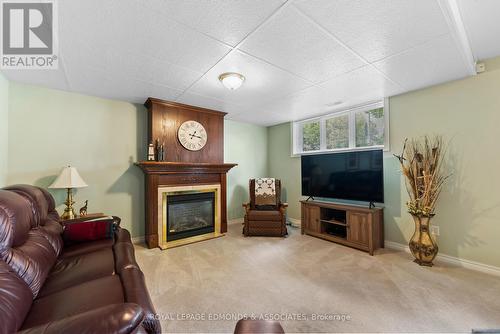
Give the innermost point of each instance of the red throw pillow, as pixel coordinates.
(89, 230)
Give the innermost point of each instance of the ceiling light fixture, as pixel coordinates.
(231, 80)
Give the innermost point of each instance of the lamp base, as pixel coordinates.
(69, 212)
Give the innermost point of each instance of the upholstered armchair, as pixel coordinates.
(265, 214)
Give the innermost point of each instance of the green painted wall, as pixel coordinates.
(282, 166)
(4, 130)
(246, 145)
(467, 113)
(49, 129)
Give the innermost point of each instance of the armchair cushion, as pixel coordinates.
(272, 215)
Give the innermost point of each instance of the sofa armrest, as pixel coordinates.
(116, 318)
(134, 288)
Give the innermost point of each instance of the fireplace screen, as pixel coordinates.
(190, 214)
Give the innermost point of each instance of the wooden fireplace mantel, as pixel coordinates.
(184, 167)
(159, 174)
(155, 167)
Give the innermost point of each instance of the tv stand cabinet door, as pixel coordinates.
(311, 218)
(359, 227)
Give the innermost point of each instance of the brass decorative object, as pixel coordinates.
(422, 165)
(83, 209)
(69, 212)
(68, 179)
(423, 247)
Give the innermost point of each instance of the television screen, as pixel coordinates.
(348, 175)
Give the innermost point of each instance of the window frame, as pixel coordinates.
(297, 133)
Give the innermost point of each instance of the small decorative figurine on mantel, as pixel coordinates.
(151, 152)
(83, 209)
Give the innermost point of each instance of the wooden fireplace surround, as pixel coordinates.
(183, 167)
(160, 174)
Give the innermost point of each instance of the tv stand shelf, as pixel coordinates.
(350, 225)
(335, 222)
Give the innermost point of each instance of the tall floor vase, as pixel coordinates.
(422, 245)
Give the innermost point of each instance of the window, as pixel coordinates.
(357, 128)
(337, 132)
(310, 136)
(370, 127)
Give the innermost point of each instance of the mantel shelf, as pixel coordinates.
(165, 167)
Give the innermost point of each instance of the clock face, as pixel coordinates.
(192, 135)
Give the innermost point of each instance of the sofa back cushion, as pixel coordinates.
(24, 246)
(45, 216)
(15, 299)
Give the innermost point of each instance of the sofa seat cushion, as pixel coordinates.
(86, 247)
(70, 271)
(272, 215)
(77, 299)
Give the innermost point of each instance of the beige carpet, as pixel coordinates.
(205, 287)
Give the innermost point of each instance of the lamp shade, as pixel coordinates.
(68, 178)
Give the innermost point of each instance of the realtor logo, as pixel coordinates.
(29, 35)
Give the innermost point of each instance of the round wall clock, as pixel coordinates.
(192, 135)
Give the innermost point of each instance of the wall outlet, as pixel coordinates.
(435, 230)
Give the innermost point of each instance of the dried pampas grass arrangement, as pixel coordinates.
(422, 165)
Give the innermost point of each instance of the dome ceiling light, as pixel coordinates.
(231, 80)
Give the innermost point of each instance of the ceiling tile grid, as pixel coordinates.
(301, 58)
(378, 29)
(295, 44)
(226, 21)
(432, 63)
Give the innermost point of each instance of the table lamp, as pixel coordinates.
(68, 179)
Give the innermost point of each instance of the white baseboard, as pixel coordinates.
(485, 268)
(235, 221)
(139, 240)
(294, 222)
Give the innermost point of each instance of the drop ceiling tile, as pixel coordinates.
(378, 29)
(96, 83)
(304, 104)
(157, 36)
(360, 86)
(227, 21)
(294, 43)
(210, 103)
(128, 28)
(47, 78)
(481, 20)
(152, 70)
(263, 81)
(432, 63)
(263, 118)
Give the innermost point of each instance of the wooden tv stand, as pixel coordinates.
(350, 225)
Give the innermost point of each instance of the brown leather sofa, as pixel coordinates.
(47, 287)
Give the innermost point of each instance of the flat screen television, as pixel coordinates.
(355, 176)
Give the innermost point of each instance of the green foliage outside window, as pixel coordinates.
(370, 127)
(337, 132)
(311, 136)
